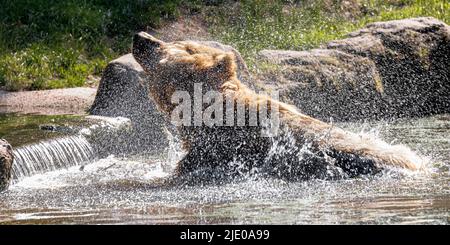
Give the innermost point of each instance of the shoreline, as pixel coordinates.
(74, 101)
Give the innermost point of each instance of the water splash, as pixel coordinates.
(286, 158)
(174, 152)
(51, 155)
(392, 197)
(372, 133)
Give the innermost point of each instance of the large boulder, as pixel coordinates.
(388, 69)
(6, 161)
(324, 83)
(122, 93)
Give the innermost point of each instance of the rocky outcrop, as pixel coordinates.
(6, 161)
(122, 93)
(388, 69)
(324, 83)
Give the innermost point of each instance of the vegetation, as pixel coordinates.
(302, 25)
(53, 44)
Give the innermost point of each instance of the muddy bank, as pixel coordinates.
(49, 102)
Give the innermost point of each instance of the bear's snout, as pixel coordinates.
(145, 49)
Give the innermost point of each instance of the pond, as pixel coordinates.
(107, 190)
(25, 129)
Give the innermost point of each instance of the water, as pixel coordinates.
(22, 130)
(110, 190)
(51, 155)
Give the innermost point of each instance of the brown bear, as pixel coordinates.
(304, 147)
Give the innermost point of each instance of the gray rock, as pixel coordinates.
(321, 82)
(122, 93)
(388, 69)
(6, 161)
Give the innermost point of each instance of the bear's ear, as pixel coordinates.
(145, 48)
(226, 64)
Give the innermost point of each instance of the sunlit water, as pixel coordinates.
(108, 191)
(51, 155)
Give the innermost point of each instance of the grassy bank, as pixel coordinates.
(52, 44)
(302, 25)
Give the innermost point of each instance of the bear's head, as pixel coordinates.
(177, 66)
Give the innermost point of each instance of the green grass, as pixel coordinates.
(60, 43)
(261, 24)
